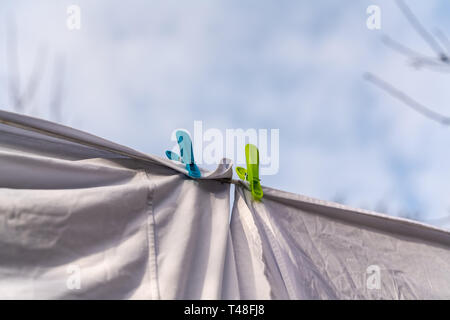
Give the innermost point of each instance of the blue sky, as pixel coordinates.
(137, 70)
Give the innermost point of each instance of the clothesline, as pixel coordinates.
(97, 146)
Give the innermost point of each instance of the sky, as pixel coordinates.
(138, 70)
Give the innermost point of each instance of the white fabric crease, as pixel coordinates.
(77, 222)
(293, 247)
(85, 218)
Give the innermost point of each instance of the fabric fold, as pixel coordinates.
(293, 247)
(51, 131)
(77, 222)
(85, 218)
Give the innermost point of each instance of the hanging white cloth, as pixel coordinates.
(79, 222)
(85, 218)
(293, 247)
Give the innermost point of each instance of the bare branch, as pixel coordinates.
(417, 59)
(420, 29)
(400, 48)
(431, 64)
(36, 75)
(57, 88)
(13, 65)
(416, 106)
(443, 39)
(21, 99)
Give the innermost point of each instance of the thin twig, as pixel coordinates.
(13, 65)
(417, 59)
(57, 88)
(404, 50)
(420, 29)
(416, 106)
(22, 99)
(36, 75)
(443, 39)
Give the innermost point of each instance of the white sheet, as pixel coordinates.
(77, 222)
(293, 247)
(79, 219)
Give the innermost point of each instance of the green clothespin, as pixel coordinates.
(251, 174)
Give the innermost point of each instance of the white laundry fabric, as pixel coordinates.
(85, 218)
(77, 222)
(293, 247)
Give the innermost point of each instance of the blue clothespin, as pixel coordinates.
(186, 154)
